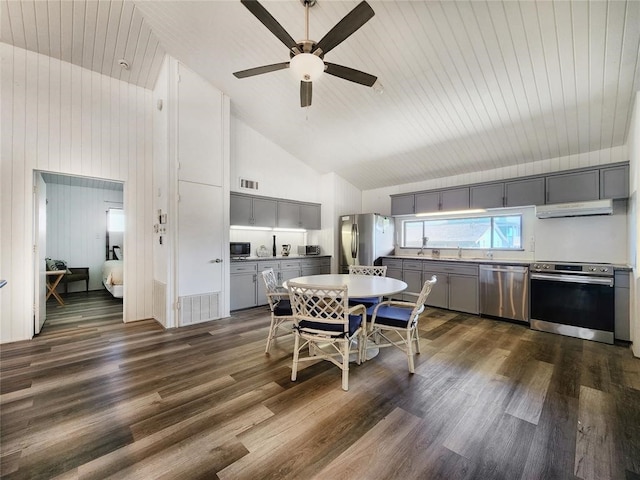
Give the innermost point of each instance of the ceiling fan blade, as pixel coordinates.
(345, 27)
(305, 94)
(259, 70)
(268, 21)
(350, 74)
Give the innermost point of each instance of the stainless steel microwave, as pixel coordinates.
(309, 250)
(239, 249)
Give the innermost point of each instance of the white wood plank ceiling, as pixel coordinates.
(92, 34)
(468, 86)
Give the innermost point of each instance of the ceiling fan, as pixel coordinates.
(307, 55)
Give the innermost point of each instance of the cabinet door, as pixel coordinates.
(413, 279)
(402, 205)
(200, 130)
(288, 215)
(573, 187)
(439, 296)
(486, 196)
(289, 274)
(243, 290)
(397, 274)
(614, 182)
(264, 212)
(427, 202)
(524, 192)
(454, 199)
(463, 294)
(239, 210)
(310, 217)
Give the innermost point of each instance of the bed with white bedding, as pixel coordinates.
(112, 275)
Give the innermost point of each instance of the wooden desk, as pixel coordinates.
(53, 279)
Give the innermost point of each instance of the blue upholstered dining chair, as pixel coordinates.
(395, 323)
(324, 322)
(280, 306)
(375, 270)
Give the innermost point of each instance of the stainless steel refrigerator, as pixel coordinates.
(364, 238)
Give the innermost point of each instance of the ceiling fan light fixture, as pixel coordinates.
(306, 67)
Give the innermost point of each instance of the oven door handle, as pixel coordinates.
(573, 279)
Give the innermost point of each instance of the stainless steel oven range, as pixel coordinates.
(573, 299)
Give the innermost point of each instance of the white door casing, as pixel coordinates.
(40, 252)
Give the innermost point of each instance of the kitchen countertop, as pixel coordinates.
(278, 257)
(487, 261)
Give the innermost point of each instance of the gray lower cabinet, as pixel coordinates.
(248, 288)
(518, 193)
(621, 305)
(394, 270)
(573, 187)
(412, 276)
(243, 285)
(456, 288)
(261, 288)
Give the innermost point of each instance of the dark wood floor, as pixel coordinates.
(95, 398)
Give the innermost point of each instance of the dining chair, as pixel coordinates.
(324, 322)
(395, 323)
(280, 306)
(374, 270)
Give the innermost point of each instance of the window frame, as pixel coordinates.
(492, 218)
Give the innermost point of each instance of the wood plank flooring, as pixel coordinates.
(92, 397)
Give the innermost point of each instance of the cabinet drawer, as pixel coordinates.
(244, 267)
(412, 265)
(264, 265)
(325, 262)
(289, 264)
(455, 268)
(392, 262)
(310, 263)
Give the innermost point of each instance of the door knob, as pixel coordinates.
(218, 260)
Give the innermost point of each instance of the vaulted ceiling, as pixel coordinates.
(468, 86)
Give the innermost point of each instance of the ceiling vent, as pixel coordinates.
(576, 209)
(248, 184)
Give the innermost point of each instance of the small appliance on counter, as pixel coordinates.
(308, 249)
(239, 249)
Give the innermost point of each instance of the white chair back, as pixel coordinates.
(375, 270)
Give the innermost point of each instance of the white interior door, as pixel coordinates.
(40, 252)
(200, 227)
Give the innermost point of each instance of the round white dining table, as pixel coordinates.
(361, 286)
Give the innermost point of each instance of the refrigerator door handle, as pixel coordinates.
(357, 243)
(353, 240)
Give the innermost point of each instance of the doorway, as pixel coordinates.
(71, 244)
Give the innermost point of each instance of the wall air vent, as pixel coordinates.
(578, 209)
(248, 184)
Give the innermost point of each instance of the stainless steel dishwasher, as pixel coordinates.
(504, 291)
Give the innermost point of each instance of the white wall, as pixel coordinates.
(633, 143)
(59, 117)
(76, 228)
(278, 173)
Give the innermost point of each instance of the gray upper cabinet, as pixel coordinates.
(614, 182)
(427, 202)
(486, 196)
(573, 187)
(247, 210)
(524, 192)
(452, 199)
(402, 205)
(298, 215)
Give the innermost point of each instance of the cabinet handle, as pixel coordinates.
(255, 278)
(504, 201)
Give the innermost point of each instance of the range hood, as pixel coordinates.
(575, 209)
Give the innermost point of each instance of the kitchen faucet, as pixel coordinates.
(424, 244)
